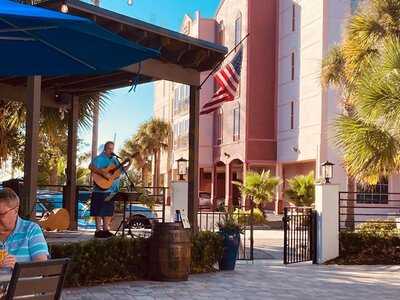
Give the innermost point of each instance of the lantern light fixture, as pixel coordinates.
(182, 168)
(327, 171)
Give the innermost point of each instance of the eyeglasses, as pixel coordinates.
(7, 211)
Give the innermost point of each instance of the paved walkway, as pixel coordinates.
(262, 280)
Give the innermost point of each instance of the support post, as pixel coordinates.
(228, 185)
(31, 144)
(70, 192)
(95, 130)
(193, 178)
(327, 209)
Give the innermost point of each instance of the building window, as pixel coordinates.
(186, 28)
(218, 127)
(181, 99)
(181, 131)
(294, 17)
(292, 66)
(292, 115)
(238, 29)
(221, 33)
(236, 124)
(373, 194)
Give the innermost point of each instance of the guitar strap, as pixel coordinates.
(109, 197)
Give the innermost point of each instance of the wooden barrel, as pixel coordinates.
(170, 252)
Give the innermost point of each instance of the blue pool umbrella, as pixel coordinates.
(38, 41)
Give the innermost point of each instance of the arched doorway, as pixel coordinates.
(236, 169)
(219, 184)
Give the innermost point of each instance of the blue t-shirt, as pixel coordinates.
(26, 241)
(103, 161)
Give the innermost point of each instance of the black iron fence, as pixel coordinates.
(356, 209)
(208, 221)
(299, 225)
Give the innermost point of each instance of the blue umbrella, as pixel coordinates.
(37, 41)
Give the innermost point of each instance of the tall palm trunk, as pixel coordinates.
(156, 174)
(351, 187)
(53, 176)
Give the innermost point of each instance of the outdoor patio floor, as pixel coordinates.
(261, 280)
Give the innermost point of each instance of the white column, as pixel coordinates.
(327, 208)
(228, 196)
(179, 198)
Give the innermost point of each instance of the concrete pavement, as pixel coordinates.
(262, 280)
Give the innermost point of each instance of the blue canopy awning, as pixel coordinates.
(37, 41)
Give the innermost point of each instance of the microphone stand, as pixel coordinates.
(120, 166)
(124, 222)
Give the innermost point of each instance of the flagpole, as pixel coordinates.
(222, 60)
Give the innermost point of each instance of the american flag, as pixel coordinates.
(228, 79)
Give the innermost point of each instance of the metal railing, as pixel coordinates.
(357, 208)
(208, 221)
(149, 205)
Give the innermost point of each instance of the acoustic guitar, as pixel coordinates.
(57, 219)
(114, 171)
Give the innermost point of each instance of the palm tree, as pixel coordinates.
(365, 68)
(301, 189)
(52, 134)
(260, 187)
(153, 137)
(132, 148)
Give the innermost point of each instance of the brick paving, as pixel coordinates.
(261, 280)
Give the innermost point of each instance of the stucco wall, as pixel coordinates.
(261, 81)
(228, 13)
(306, 42)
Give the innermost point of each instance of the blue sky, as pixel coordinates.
(126, 111)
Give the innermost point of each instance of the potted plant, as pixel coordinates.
(230, 231)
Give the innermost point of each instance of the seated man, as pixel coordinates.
(23, 240)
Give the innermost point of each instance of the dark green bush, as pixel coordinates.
(207, 249)
(372, 244)
(378, 227)
(95, 261)
(123, 259)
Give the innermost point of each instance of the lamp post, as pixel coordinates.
(327, 171)
(182, 168)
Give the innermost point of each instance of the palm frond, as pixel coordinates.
(369, 151)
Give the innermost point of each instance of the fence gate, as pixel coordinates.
(299, 225)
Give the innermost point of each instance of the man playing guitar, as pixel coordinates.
(99, 208)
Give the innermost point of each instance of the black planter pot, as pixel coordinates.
(231, 247)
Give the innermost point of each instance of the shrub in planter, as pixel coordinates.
(123, 259)
(230, 230)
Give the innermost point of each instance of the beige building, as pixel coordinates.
(171, 104)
